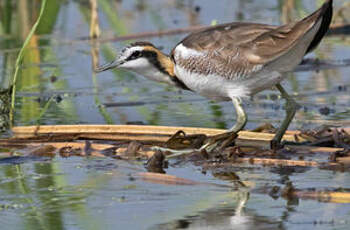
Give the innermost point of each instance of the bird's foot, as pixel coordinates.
(219, 142)
(181, 144)
(173, 153)
(180, 140)
(276, 145)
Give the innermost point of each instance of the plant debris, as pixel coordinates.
(157, 163)
(135, 143)
(232, 151)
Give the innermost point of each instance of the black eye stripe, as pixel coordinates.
(150, 55)
(134, 55)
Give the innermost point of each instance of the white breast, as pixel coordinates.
(211, 86)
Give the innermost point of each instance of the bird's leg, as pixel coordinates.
(241, 115)
(221, 140)
(291, 108)
(228, 137)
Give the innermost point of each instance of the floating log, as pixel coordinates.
(55, 135)
(144, 133)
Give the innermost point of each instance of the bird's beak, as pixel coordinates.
(108, 66)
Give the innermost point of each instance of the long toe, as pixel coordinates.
(276, 145)
(219, 142)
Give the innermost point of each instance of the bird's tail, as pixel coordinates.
(325, 14)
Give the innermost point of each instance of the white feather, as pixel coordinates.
(143, 67)
(186, 52)
(212, 86)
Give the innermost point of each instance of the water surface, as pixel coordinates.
(91, 193)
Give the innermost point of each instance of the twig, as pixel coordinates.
(339, 29)
(150, 34)
(334, 30)
(313, 149)
(326, 196)
(280, 162)
(165, 179)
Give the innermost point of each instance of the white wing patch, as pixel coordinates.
(185, 52)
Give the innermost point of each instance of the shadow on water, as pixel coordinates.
(57, 86)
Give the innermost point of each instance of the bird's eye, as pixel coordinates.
(135, 55)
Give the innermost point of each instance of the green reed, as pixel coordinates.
(20, 57)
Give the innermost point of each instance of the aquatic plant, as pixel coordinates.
(20, 57)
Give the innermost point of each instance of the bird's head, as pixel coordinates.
(145, 59)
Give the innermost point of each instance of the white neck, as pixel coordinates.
(154, 74)
(144, 67)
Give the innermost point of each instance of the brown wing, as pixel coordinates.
(223, 48)
(237, 49)
(275, 43)
(230, 34)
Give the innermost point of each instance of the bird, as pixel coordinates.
(232, 61)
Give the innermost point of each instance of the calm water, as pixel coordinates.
(88, 193)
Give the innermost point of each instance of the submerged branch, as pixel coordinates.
(335, 30)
